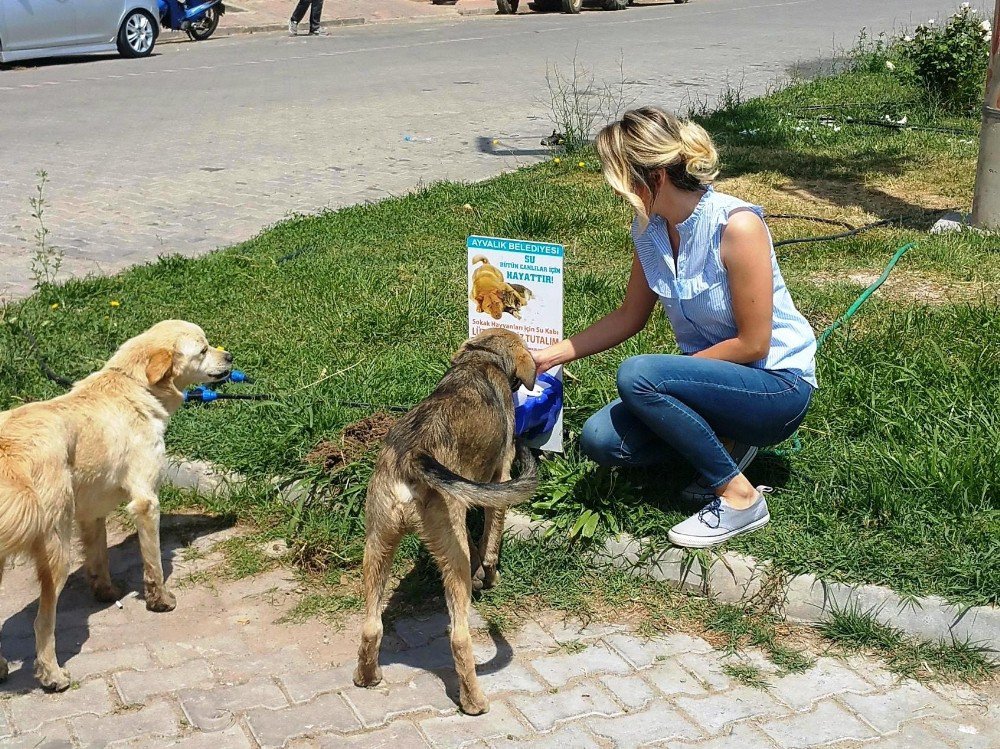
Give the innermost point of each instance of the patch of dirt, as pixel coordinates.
(909, 286)
(355, 441)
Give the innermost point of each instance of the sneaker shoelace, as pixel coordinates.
(713, 509)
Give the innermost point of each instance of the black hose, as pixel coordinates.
(804, 217)
(831, 237)
(42, 364)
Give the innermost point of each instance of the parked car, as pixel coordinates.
(55, 28)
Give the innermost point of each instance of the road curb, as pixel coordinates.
(261, 29)
(728, 577)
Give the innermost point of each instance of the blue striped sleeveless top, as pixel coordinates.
(696, 296)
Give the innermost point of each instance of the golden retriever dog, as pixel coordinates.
(490, 291)
(81, 455)
(453, 451)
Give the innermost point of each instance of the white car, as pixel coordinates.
(53, 28)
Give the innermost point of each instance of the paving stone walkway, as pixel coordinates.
(222, 671)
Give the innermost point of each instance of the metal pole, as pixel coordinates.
(986, 200)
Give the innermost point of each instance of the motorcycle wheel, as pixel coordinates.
(572, 6)
(205, 26)
(507, 7)
(137, 35)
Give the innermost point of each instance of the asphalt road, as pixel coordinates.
(204, 144)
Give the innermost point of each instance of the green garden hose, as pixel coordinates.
(795, 442)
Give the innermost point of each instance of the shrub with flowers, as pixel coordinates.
(949, 59)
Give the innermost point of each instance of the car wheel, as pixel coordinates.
(572, 6)
(507, 7)
(614, 4)
(137, 35)
(205, 26)
(680, 2)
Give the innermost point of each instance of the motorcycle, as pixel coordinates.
(200, 18)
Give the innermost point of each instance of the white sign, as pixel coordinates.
(518, 285)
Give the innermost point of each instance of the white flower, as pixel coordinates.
(907, 38)
(931, 21)
(986, 26)
(889, 65)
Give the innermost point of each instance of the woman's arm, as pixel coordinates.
(615, 327)
(746, 255)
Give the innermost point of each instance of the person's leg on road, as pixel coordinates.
(297, 15)
(317, 11)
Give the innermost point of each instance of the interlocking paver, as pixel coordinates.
(236, 668)
(707, 667)
(230, 738)
(713, 712)
(215, 709)
(302, 687)
(828, 723)
(399, 735)
(559, 668)
(570, 737)
(642, 653)
(134, 687)
(85, 665)
(156, 719)
(544, 711)
(887, 711)
(328, 712)
(737, 736)
(453, 731)
(631, 690)
(826, 678)
(49, 736)
(514, 677)
(383, 703)
(658, 722)
(670, 678)
(29, 712)
(408, 664)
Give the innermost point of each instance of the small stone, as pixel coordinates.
(277, 548)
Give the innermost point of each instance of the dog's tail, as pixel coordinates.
(480, 259)
(497, 496)
(21, 520)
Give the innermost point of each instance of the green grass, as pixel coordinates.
(896, 481)
(856, 630)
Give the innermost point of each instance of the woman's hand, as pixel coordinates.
(551, 357)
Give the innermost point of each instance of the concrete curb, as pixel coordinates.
(728, 577)
(177, 38)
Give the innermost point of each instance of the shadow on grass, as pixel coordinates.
(77, 604)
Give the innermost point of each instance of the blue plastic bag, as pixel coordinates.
(536, 413)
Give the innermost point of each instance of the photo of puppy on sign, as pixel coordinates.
(491, 292)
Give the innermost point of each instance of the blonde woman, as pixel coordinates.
(747, 371)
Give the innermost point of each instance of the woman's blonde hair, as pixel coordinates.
(647, 139)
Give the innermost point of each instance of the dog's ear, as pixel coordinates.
(160, 366)
(524, 368)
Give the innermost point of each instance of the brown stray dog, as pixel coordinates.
(451, 452)
(490, 291)
(81, 455)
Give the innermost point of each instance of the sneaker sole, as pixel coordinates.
(702, 542)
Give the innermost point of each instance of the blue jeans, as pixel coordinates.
(676, 408)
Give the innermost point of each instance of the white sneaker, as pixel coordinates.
(698, 491)
(718, 522)
(293, 28)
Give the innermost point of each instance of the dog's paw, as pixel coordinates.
(52, 679)
(478, 579)
(474, 704)
(106, 592)
(491, 577)
(160, 600)
(367, 678)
